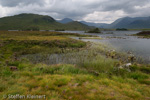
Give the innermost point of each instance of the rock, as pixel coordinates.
(120, 67)
(126, 67)
(111, 53)
(128, 64)
(76, 84)
(131, 57)
(129, 52)
(113, 50)
(13, 68)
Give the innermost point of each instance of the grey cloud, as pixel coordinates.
(13, 3)
(76, 9)
(125, 5)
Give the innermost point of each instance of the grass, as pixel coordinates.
(90, 38)
(62, 68)
(70, 82)
(41, 38)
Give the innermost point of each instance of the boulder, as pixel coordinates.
(126, 67)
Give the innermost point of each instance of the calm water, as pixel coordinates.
(122, 42)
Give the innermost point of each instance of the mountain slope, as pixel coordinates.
(25, 21)
(30, 21)
(127, 22)
(65, 20)
(75, 25)
(140, 23)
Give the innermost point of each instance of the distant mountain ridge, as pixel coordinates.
(42, 22)
(35, 21)
(65, 20)
(68, 20)
(128, 22)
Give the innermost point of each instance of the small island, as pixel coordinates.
(143, 34)
(96, 30)
(121, 29)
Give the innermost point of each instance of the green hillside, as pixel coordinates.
(75, 25)
(34, 21)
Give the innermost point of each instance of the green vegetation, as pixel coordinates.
(84, 71)
(75, 25)
(143, 34)
(96, 30)
(147, 29)
(36, 22)
(59, 29)
(33, 28)
(121, 29)
(90, 38)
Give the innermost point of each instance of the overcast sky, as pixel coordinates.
(99, 11)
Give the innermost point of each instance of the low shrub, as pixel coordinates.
(138, 75)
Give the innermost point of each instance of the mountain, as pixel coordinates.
(128, 22)
(68, 20)
(35, 21)
(145, 23)
(27, 21)
(65, 20)
(75, 25)
(43, 22)
(100, 25)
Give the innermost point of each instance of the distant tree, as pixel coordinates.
(96, 30)
(121, 29)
